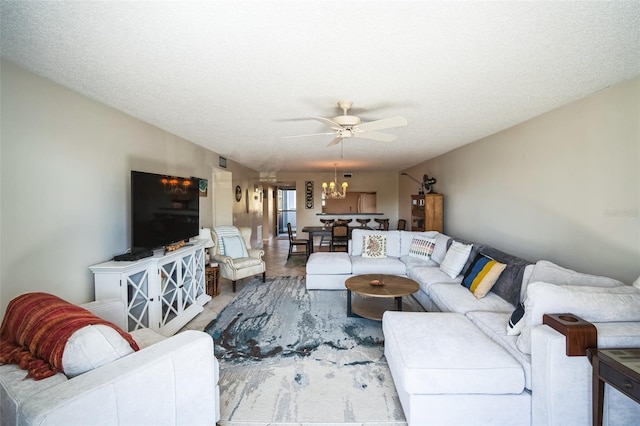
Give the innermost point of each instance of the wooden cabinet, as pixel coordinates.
(162, 292)
(426, 212)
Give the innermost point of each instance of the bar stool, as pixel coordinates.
(344, 221)
(326, 223)
(363, 222)
(383, 224)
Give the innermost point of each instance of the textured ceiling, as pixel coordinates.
(237, 76)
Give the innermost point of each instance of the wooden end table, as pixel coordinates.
(211, 273)
(619, 368)
(373, 305)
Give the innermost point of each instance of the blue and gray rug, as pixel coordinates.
(288, 355)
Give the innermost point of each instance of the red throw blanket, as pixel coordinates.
(35, 330)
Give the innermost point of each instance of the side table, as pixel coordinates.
(619, 368)
(211, 272)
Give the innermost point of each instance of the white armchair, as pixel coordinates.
(234, 254)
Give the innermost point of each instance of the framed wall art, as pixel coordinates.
(308, 194)
(203, 186)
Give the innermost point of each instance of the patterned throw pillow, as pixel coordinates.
(456, 257)
(516, 321)
(374, 246)
(482, 275)
(422, 247)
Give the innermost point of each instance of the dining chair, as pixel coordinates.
(325, 240)
(402, 225)
(340, 236)
(297, 242)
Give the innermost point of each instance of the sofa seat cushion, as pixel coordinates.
(493, 325)
(415, 262)
(444, 353)
(457, 298)
(328, 263)
(146, 337)
(426, 276)
(387, 265)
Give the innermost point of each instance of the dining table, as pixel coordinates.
(320, 231)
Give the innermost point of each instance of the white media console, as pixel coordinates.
(162, 292)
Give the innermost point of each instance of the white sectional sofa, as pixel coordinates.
(457, 365)
(169, 381)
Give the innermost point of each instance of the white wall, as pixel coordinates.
(65, 166)
(564, 186)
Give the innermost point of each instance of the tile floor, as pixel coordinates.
(275, 256)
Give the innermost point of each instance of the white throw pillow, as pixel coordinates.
(440, 250)
(234, 247)
(422, 247)
(455, 259)
(636, 283)
(91, 347)
(593, 304)
(374, 246)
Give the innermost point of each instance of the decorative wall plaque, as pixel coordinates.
(308, 194)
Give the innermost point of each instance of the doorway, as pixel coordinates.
(286, 209)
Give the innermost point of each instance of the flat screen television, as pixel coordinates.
(164, 210)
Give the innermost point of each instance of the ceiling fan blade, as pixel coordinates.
(310, 134)
(385, 123)
(328, 123)
(335, 141)
(376, 136)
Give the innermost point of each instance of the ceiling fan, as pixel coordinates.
(349, 126)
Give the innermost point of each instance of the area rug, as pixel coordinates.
(288, 355)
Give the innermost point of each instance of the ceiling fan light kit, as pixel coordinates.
(349, 126)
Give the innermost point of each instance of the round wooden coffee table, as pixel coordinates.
(376, 300)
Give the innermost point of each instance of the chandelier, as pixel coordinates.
(330, 190)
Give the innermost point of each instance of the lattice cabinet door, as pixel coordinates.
(138, 299)
(199, 265)
(170, 291)
(187, 289)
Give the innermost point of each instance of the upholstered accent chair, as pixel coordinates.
(234, 254)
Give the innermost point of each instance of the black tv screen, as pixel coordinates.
(164, 209)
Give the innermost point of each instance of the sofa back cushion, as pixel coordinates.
(594, 304)
(549, 272)
(392, 239)
(509, 284)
